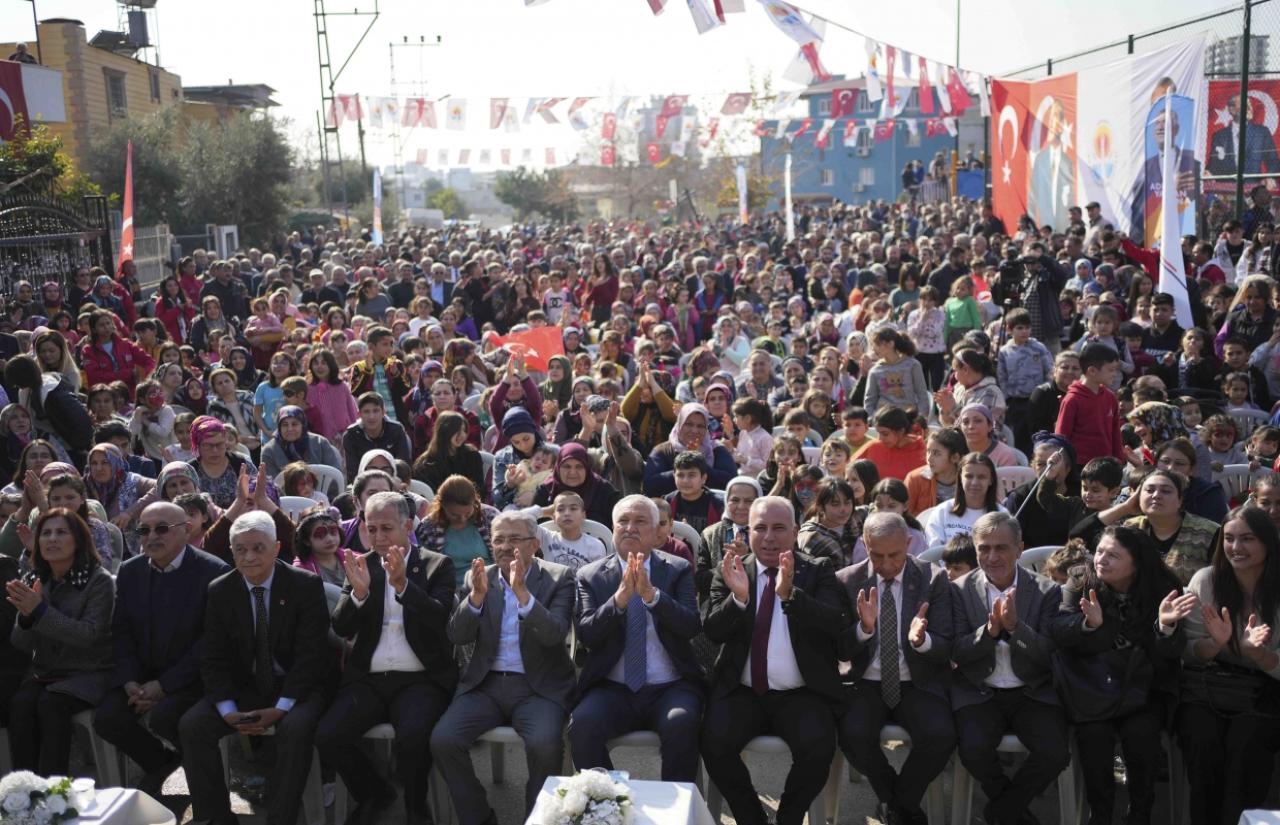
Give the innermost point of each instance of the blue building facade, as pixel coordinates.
(868, 170)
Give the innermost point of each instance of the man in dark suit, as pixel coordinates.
(440, 289)
(156, 628)
(401, 669)
(636, 615)
(776, 614)
(899, 650)
(516, 613)
(265, 647)
(944, 276)
(1259, 146)
(1003, 681)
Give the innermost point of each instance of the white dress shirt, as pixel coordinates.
(904, 626)
(1002, 676)
(659, 669)
(784, 671)
(393, 651)
(508, 658)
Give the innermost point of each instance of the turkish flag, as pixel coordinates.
(890, 57)
(609, 126)
(653, 151)
(842, 102)
(933, 127)
(926, 91)
(126, 206)
(537, 345)
(674, 105)
(607, 155)
(11, 88)
(884, 130)
(660, 125)
(713, 126)
(804, 127)
(1011, 102)
(960, 99)
(736, 103)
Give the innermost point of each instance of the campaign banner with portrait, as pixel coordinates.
(1094, 135)
(1262, 124)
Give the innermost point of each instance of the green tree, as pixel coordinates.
(34, 162)
(449, 202)
(529, 193)
(157, 165)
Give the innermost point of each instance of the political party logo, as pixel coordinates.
(1102, 146)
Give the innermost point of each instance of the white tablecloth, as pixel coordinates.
(124, 806)
(653, 803)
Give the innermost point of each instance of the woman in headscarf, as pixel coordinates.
(192, 396)
(523, 437)
(293, 441)
(210, 320)
(1157, 423)
(111, 483)
(559, 384)
(569, 421)
(217, 467)
(689, 433)
(60, 485)
(248, 377)
(573, 474)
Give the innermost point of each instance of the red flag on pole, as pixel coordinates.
(660, 125)
(736, 103)
(609, 126)
(673, 105)
(890, 57)
(884, 130)
(843, 101)
(126, 227)
(804, 127)
(960, 99)
(654, 152)
(537, 345)
(607, 155)
(926, 91)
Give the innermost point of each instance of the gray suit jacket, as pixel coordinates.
(542, 632)
(974, 651)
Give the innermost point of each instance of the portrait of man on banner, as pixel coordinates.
(1147, 188)
(1259, 145)
(1053, 167)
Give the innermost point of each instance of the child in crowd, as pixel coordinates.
(1192, 416)
(926, 327)
(1022, 364)
(895, 451)
(959, 556)
(1090, 414)
(181, 450)
(1235, 387)
(754, 443)
(786, 456)
(1102, 331)
(1060, 562)
(536, 469)
(667, 542)
(1197, 368)
(1221, 437)
(1263, 447)
(836, 454)
(962, 311)
(692, 502)
(1100, 483)
(1133, 335)
(797, 423)
(295, 395)
(856, 422)
(567, 544)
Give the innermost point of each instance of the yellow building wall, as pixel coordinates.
(64, 46)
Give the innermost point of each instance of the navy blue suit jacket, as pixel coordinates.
(178, 664)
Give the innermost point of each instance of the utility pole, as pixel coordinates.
(419, 88)
(330, 138)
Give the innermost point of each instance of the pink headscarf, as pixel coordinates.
(203, 427)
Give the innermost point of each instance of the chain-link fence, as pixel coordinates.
(1243, 53)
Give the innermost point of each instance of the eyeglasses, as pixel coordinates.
(503, 541)
(323, 531)
(144, 530)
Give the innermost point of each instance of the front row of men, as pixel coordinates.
(257, 656)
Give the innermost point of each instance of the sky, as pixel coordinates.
(571, 48)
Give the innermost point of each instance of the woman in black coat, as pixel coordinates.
(1119, 639)
(449, 454)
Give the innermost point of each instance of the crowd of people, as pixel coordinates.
(316, 488)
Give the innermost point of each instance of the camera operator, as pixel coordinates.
(1037, 291)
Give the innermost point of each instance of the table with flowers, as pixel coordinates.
(649, 803)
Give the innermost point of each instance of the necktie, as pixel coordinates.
(760, 634)
(637, 664)
(263, 676)
(890, 681)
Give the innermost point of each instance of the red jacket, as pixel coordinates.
(1091, 421)
(101, 368)
(176, 320)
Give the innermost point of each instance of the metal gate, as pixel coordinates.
(44, 239)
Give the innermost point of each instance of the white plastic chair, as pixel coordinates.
(1236, 479)
(294, 506)
(595, 528)
(423, 489)
(488, 458)
(330, 482)
(1020, 455)
(773, 745)
(472, 403)
(933, 555)
(688, 535)
(935, 798)
(108, 762)
(1011, 478)
(1247, 421)
(962, 787)
(437, 793)
(812, 455)
(312, 795)
(1033, 558)
(490, 438)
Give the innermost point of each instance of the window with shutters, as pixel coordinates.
(828, 177)
(117, 104)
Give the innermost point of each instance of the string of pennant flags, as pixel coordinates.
(889, 76)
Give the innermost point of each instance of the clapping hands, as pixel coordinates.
(635, 582)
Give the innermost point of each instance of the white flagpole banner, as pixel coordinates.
(1173, 272)
(791, 214)
(744, 216)
(376, 232)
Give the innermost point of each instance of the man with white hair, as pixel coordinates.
(899, 650)
(516, 614)
(1003, 679)
(265, 664)
(636, 616)
(400, 669)
(776, 614)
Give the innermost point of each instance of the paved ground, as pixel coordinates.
(857, 802)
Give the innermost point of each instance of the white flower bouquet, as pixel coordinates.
(27, 799)
(589, 798)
